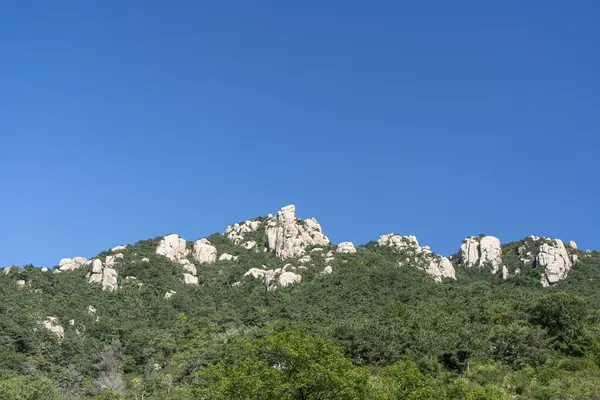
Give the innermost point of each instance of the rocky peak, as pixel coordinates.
(436, 266)
(555, 258)
(346, 247)
(480, 251)
(172, 247)
(289, 237)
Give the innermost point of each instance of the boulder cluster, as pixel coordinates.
(105, 274)
(70, 264)
(436, 266)
(175, 248)
(289, 237)
(274, 278)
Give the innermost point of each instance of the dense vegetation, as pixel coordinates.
(371, 330)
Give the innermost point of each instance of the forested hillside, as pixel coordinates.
(272, 310)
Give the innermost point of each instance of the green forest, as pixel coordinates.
(375, 328)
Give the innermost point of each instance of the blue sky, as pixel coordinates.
(121, 121)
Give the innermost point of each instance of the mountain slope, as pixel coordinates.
(403, 329)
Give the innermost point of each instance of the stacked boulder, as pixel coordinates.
(289, 237)
(190, 275)
(70, 264)
(436, 266)
(105, 274)
(481, 251)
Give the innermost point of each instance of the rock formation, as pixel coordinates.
(346, 247)
(554, 257)
(398, 242)
(172, 247)
(440, 267)
(52, 324)
(227, 257)
(104, 274)
(69, 264)
(190, 275)
(289, 237)
(236, 232)
(478, 252)
(204, 252)
(436, 266)
(273, 278)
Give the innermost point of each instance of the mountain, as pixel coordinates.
(271, 309)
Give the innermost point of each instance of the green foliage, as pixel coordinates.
(373, 329)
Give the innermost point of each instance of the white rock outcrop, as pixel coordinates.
(273, 278)
(398, 242)
(69, 264)
(236, 232)
(118, 248)
(440, 267)
(554, 257)
(289, 237)
(204, 252)
(104, 274)
(191, 272)
(346, 247)
(190, 279)
(436, 266)
(478, 252)
(327, 270)
(573, 245)
(172, 247)
(170, 294)
(249, 245)
(227, 257)
(52, 324)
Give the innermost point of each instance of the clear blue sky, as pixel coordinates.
(124, 120)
